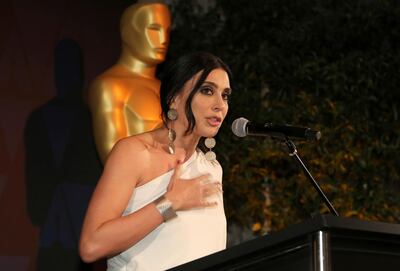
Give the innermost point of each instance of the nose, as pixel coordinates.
(164, 36)
(219, 104)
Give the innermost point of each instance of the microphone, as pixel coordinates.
(242, 127)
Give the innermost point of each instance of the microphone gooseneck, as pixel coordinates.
(242, 127)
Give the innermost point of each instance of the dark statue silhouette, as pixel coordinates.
(62, 166)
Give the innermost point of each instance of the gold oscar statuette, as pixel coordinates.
(124, 100)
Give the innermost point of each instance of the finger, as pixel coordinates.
(209, 203)
(211, 189)
(203, 179)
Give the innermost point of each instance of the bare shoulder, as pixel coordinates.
(131, 144)
(132, 147)
(122, 172)
(129, 155)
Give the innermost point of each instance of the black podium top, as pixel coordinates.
(296, 236)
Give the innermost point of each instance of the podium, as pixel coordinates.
(323, 243)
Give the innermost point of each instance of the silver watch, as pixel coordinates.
(164, 206)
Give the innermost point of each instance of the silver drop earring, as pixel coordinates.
(172, 115)
(210, 143)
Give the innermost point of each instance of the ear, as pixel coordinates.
(176, 101)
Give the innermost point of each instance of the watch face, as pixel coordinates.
(164, 206)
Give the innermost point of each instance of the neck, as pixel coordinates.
(135, 65)
(187, 143)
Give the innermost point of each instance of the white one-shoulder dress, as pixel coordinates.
(193, 234)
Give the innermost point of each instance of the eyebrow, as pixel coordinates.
(216, 86)
(154, 25)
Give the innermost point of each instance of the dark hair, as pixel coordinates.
(181, 71)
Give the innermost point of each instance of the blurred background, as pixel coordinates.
(330, 65)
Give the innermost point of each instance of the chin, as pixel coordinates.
(160, 56)
(209, 132)
(154, 58)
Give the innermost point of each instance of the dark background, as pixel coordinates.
(330, 65)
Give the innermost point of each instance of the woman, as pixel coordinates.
(159, 203)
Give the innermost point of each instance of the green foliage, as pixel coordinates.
(330, 65)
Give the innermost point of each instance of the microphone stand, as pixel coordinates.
(293, 152)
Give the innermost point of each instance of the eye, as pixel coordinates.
(226, 95)
(153, 27)
(207, 91)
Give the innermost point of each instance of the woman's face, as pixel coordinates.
(209, 104)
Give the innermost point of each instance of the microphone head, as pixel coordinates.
(239, 127)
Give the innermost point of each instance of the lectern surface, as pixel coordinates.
(352, 245)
